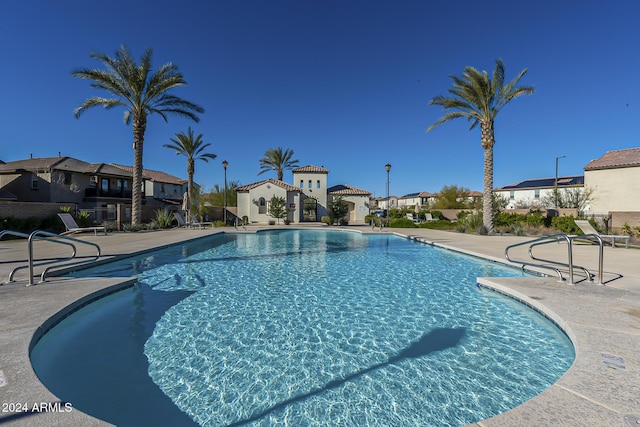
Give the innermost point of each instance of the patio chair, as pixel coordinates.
(586, 228)
(72, 226)
(195, 223)
(181, 222)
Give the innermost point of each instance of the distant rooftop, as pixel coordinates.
(153, 175)
(347, 190)
(563, 181)
(629, 157)
(310, 169)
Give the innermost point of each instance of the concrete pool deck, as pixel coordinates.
(603, 321)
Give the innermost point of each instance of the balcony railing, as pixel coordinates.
(98, 192)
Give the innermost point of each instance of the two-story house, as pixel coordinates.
(306, 202)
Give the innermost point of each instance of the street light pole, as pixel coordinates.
(224, 212)
(388, 169)
(555, 188)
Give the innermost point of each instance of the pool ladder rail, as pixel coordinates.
(569, 266)
(49, 262)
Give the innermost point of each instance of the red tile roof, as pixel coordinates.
(626, 158)
(273, 181)
(156, 176)
(347, 190)
(310, 168)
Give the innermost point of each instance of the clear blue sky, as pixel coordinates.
(345, 84)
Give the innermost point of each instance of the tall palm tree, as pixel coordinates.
(478, 98)
(277, 160)
(192, 148)
(141, 92)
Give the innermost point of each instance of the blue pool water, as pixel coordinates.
(301, 328)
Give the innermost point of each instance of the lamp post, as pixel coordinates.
(388, 169)
(224, 211)
(555, 187)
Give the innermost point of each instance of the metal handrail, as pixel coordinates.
(569, 265)
(529, 242)
(51, 237)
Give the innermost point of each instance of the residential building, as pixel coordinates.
(66, 180)
(306, 203)
(160, 188)
(531, 192)
(615, 180)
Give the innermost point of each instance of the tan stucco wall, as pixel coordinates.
(614, 189)
(247, 206)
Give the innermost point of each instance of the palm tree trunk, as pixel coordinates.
(488, 141)
(139, 127)
(191, 168)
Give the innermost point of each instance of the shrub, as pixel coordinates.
(272, 222)
(441, 224)
(402, 223)
(325, 219)
(163, 219)
(518, 230)
(566, 224)
(287, 221)
(473, 221)
(461, 227)
(462, 215)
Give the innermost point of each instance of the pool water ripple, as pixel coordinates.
(335, 328)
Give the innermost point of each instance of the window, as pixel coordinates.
(262, 206)
(302, 183)
(318, 184)
(34, 182)
(104, 185)
(512, 195)
(537, 194)
(310, 184)
(67, 178)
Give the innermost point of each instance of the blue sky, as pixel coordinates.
(344, 84)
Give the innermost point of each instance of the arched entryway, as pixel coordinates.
(309, 210)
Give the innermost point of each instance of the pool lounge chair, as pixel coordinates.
(72, 226)
(586, 228)
(184, 224)
(195, 223)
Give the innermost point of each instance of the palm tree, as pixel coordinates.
(192, 149)
(277, 160)
(141, 93)
(478, 98)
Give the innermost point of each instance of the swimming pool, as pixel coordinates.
(301, 328)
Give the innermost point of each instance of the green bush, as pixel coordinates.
(163, 219)
(441, 224)
(473, 221)
(463, 214)
(566, 224)
(325, 219)
(402, 223)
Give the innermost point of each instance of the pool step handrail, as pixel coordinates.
(50, 237)
(569, 265)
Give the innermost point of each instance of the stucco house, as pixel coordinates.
(615, 179)
(306, 202)
(531, 192)
(64, 179)
(160, 188)
(98, 188)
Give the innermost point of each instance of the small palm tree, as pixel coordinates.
(192, 148)
(478, 98)
(141, 93)
(277, 160)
